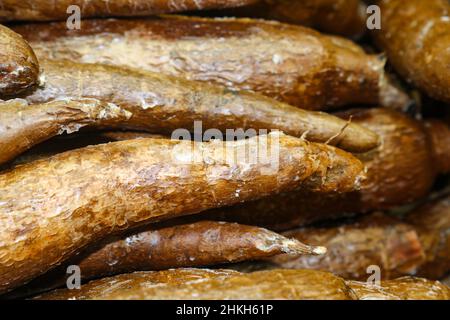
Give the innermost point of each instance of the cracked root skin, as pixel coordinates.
(416, 35)
(406, 155)
(19, 68)
(162, 104)
(409, 153)
(44, 10)
(223, 284)
(74, 199)
(199, 244)
(292, 64)
(400, 171)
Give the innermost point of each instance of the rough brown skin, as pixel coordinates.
(63, 143)
(19, 67)
(374, 240)
(224, 284)
(416, 35)
(62, 204)
(44, 10)
(402, 170)
(405, 288)
(23, 126)
(432, 222)
(404, 163)
(419, 246)
(344, 17)
(207, 284)
(162, 104)
(199, 244)
(292, 64)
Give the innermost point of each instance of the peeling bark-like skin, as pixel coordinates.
(344, 17)
(19, 67)
(224, 284)
(290, 63)
(199, 244)
(51, 209)
(402, 170)
(378, 240)
(432, 222)
(416, 35)
(44, 10)
(406, 288)
(23, 126)
(162, 104)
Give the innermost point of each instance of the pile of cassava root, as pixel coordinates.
(250, 149)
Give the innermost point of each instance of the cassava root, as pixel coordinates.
(64, 203)
(223, 284)
(292, 64)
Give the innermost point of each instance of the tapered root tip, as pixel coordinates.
(351, 137)
(273, 244)
(357, 139)
(295, 247)
(319, 250)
